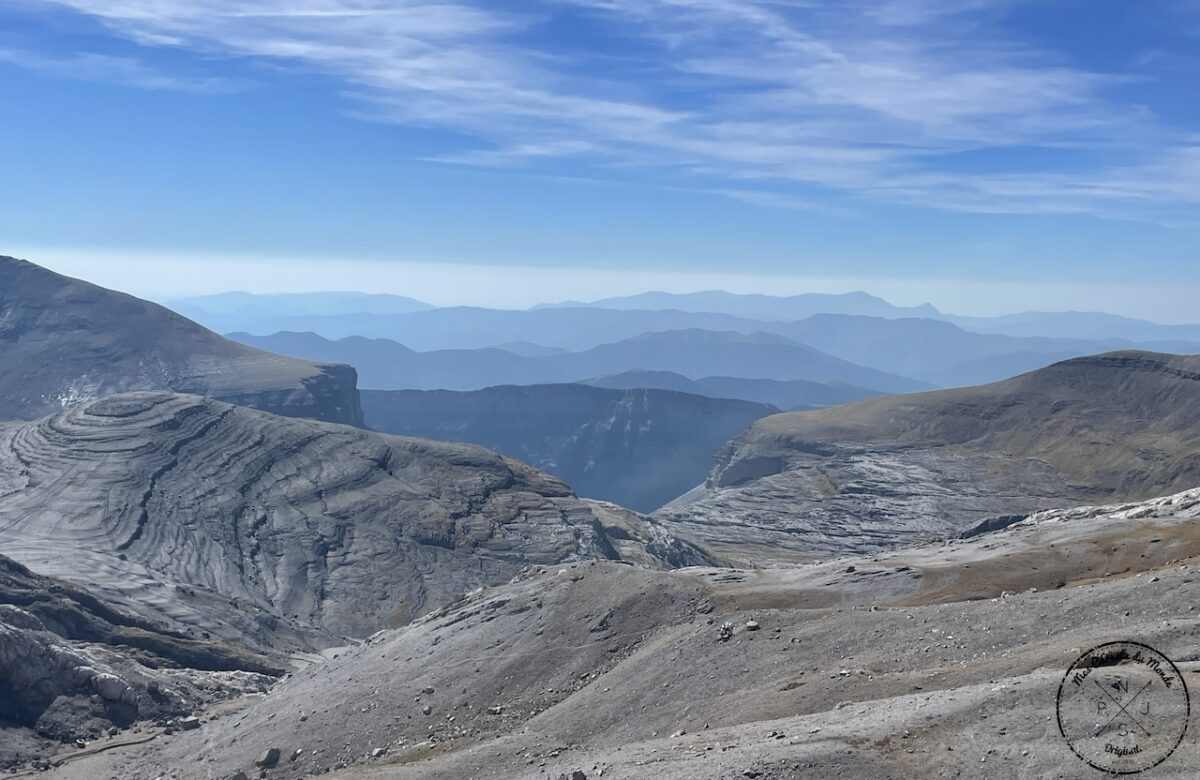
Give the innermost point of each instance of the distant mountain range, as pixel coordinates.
(576, 326)
(639, 448)
(939, 352)
(387, 365)
(1078, 325)
(760, 307)
(253, 311)
(884, 355)
(1066, 325)
(467, 327)
(796, 394)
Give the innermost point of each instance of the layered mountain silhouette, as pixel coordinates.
(386, 365)
(1112, 427)
(928, 351)
(64, 342)
(1091, 326)
(638, 448)
(255, 312)
(470, 327)
(933, 351)
(787, 396)
(762, 307)
(1078, 325)
(583, 325)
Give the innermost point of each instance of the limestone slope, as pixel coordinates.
(64, 342)
(899, 469)
(938, 661)
(283, 532)
(73, 667)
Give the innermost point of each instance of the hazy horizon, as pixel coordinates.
(164, 278)
(988, 156)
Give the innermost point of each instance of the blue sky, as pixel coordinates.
(936, 150)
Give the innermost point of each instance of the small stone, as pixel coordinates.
(426, 710)
(378, 752)
(269, 758)
(752, 625)
(190, 723)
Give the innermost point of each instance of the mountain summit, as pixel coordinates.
(65, 341)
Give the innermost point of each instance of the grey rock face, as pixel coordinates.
(638, 448)
(285, 532)
(35, 602)
(897, 470)
(73, 667)
(65, 342)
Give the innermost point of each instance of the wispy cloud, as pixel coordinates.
(108, 69)
(879, 99)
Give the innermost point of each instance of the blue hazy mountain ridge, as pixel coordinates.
(795, 395)
(944, 354)
(1050, 324)
(758, 306)
(528, 349)
(639, 448)
(348, 302)
(472, 327)
(1078, 324)
(698, 353)
(254, 312)
(388, 365)
(931, 352)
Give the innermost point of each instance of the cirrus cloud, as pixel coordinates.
(919, 102)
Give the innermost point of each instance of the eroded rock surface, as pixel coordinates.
(280, 532)
(74, 668)
(937, 661)
(901, 469)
